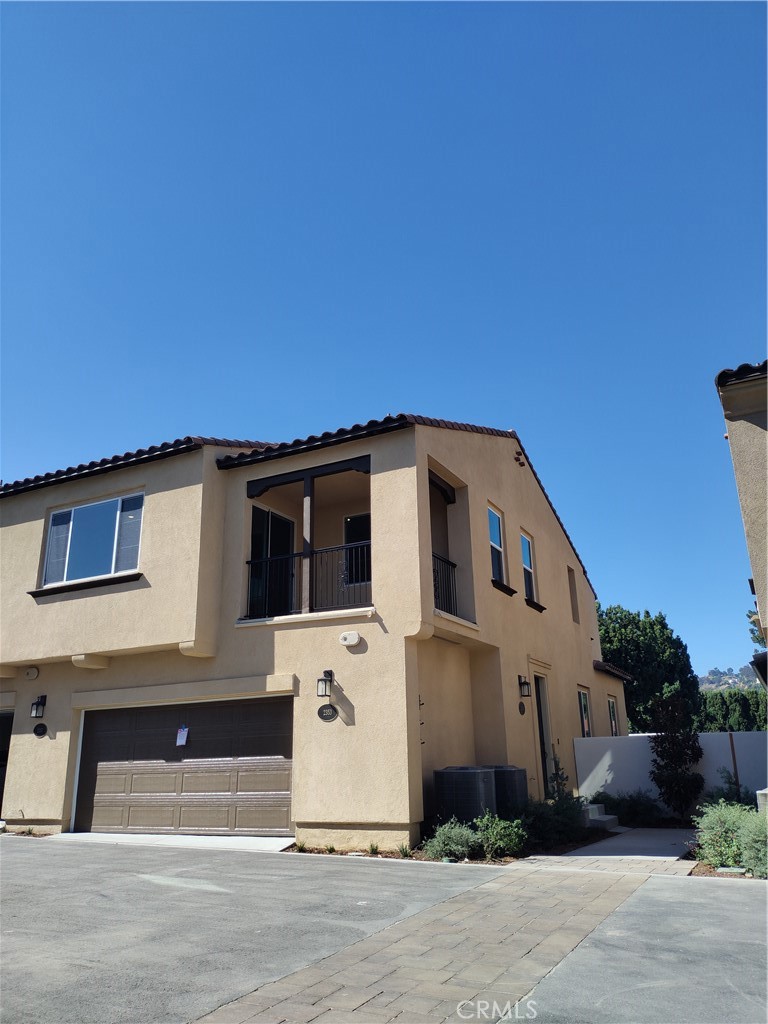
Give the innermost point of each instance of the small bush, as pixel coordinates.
(718, 833)
(405, 851)
(753, 837)
(500, 838)
(637, 809)
(452, 839)
(373, 849)
(330, 849)
(553, 822)
(301, 846)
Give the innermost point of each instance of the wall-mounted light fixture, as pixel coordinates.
(38, 706)
(324, 683)
(525, 686)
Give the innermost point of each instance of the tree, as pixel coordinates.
(740, 710)
(676, 751)
(756, 636)
(645, 647)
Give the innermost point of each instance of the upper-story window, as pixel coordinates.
(99, 539)
(613, 716)
(584, 713)
(529, 573)
(496, 534)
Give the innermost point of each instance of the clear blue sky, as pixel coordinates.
(266, 221)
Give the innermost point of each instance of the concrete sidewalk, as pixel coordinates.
(244, 844)
(645, 851)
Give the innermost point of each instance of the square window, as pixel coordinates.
(99, 539)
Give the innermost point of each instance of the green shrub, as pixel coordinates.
(553, 822)
(452, 839)
(753, 836)
(405, 851)
(637, 809)
(718, 833)
(301, 846)
(373, 849)
(500, 838)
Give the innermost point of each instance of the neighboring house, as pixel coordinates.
(177, 609)
(744, 398)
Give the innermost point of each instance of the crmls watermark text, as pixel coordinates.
(484, 1009)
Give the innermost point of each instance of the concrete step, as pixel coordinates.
(590, 811)
(604, 821)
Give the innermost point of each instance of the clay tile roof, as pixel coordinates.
(612, 670)
(141, 455)
(747, 371)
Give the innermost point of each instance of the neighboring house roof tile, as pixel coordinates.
(612, 670)
(141, 455)
(747, 371)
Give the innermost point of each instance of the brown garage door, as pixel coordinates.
(233, 776)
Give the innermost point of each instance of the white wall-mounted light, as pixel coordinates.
(525, 686)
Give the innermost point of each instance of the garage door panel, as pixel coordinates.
(228, 779)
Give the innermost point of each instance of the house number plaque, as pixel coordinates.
(327, 712)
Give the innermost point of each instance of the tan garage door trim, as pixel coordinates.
(241, 688)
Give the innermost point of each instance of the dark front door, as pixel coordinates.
(273, 565)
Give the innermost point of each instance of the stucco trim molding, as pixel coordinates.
(185, 693)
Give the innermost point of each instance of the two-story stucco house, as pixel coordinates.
(169, 616)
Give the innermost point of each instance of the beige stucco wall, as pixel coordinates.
(160, 610)
(361, 778)
(744, 406)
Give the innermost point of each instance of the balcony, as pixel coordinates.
(337, 577)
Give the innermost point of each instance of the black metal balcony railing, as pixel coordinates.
(274, 586)
(340, 578)
(444, 578)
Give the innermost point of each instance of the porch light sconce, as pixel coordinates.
(525, 686)
(38, 707)
(324, 683)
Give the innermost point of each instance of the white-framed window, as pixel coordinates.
(529, 572)
(496, 535)
(584, 713)
(613, 716)
(98, 539)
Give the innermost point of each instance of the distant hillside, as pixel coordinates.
(719, 679)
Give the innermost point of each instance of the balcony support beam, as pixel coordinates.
(256, 488)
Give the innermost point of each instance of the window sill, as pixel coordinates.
(535, 605)
(456, 618)
(101, 581)
(367, 612)
(503, 588)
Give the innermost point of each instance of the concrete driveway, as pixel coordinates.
(98, 934)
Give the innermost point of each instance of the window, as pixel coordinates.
(586, 721)
(613, 716)
(574, 596)
(529, 578)
(99, 539)
(497, 545)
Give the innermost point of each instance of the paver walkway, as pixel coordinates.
(493, 943)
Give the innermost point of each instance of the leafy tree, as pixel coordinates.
(756, 636)
(676, 751)
(645, 647)
(740, 710)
